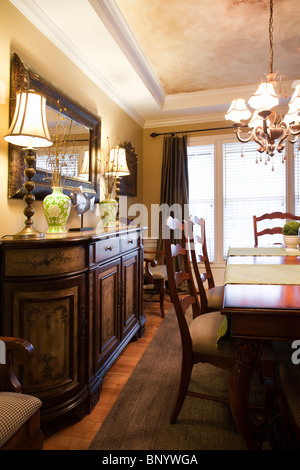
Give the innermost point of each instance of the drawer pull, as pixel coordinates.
(108, 248)
(130, 241)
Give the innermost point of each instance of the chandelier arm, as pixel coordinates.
(238, 136)
(294, 133)
(293, 140)
(259, 139)
(281, 144)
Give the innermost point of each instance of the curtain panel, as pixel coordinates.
(174, 180)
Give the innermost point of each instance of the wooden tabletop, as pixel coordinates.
(263, 310)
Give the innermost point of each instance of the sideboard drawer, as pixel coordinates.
(105, 249)
(128, 242)
(44, 262)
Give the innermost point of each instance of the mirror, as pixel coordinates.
(74, 131)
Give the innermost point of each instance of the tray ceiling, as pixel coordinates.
(172, 61)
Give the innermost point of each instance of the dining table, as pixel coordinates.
(262, 302)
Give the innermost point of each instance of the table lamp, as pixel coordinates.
(29, 130)
(117, 167)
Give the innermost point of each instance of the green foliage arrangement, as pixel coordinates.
(291, 228)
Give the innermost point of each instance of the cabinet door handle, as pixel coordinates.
(108, 248)
(130, 241)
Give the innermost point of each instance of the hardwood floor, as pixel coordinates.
(78, 436)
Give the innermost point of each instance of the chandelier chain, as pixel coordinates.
(271, 35)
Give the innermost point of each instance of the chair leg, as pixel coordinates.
(161, 300)
(186, 373)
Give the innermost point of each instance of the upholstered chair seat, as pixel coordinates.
(214, 298)
(204, 331)
(155, 277)
(209, 336)
(19, 413)
(15, 410)
(159, 272)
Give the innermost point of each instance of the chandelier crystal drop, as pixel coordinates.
(268, 129)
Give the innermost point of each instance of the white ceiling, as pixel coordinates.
(172, 61)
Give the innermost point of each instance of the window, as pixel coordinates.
(201, 189)
(249, 188)
(227, 190)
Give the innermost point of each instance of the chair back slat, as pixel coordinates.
(186, 302)
(273, 230)
(177, 250)
(179, 270)
(181, 276)
(200, 239)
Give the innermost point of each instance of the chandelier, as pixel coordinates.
(267, 126)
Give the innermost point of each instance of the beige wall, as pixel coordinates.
(18, 35)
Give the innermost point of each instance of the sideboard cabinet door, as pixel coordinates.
(130, 292)
(51, 315)
(106, 314)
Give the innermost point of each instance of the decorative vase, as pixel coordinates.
(291, 241)
(108, 212)
(57, 207)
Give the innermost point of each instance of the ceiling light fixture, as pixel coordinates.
(267, 126)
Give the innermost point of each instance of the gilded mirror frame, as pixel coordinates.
(23, 77)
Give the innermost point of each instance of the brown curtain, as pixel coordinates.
(174, 179)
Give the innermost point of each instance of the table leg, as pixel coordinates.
(249, 352)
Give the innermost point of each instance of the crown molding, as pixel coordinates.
(197, 119)
(111, 16)
(200, 99)
(185, 120)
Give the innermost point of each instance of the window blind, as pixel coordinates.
(202, 189)
(297, 178)
(250, 188)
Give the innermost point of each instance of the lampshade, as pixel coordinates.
(238, 111)
(29, 126)
(292, 116)
(295, 99)
(264, 97)
(117, 162)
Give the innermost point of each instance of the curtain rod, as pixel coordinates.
(154, 134)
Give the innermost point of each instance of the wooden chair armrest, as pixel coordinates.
(23, 351)
(159, 255)
(149, 262)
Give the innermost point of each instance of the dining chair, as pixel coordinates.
(19, 412)
(272, 230)
(211, 298)
(199, 331)
(155, 276)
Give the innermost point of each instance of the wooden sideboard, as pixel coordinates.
(78, 300)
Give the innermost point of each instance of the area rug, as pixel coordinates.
(140, 418)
